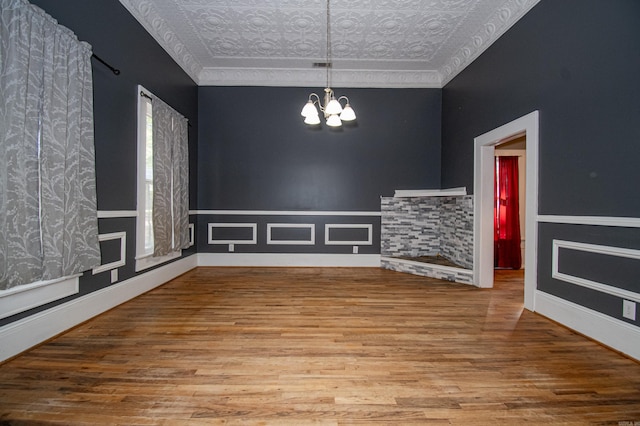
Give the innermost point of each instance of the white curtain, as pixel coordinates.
(48, 216)
(170, 180)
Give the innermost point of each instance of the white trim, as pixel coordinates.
(23, 334)
(111, 214)
(484, 149)
(283, 213)
(289, 260)
(295, 77)
(22, 298)
(192, 237)
(430, 192)
(618, 335)
(310, 226)
(122, 236)
(623, 222)
(142, 104)
(150, 261)
(443, 268)
(593, 248)
(252, 226)
(367, 226)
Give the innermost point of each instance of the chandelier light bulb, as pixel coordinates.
(309, 109)
(312, 119)
(347, 114)
(333, 107)
(334, 120)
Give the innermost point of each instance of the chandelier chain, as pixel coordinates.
(329, 64)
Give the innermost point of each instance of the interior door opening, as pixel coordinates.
(484, 163)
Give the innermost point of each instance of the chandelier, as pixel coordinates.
(333, 110)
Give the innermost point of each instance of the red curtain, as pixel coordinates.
(506, 251)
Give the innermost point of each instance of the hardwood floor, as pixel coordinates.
(321, 346)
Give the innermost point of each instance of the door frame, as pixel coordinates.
(484, 150)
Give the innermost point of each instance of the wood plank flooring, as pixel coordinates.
(326, 346)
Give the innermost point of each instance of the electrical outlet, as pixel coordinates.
(629, 309)
(232, 248)
(355, 249)
(114, 275)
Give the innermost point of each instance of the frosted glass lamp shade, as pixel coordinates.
(333, 107)
(309, 109)
(348, 114)
(312, 119)
(334, 121)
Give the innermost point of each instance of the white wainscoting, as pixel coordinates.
(612, 332)
(583, 282)
(308, 226)
(252, 226)
(329, 226)
(289, 260)
(28, 296)
(122, 236)
(617, 334)
(284, 213)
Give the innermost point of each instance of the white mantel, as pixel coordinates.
(431, 192)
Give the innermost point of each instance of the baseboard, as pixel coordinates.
(289, 260)
(614, 333)
(24, 334)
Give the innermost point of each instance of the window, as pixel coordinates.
(163, 222)
(147, 185)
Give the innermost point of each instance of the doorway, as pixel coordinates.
(510, 212)
(484, 153)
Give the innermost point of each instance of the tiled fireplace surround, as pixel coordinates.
(431, 226)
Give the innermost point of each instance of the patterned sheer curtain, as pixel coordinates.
(170, 180)
(48, 216)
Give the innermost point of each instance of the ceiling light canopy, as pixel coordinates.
(334, 112)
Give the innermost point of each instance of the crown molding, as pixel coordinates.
(503, 19)
(313, 78)
(498, 24)
(166, 38)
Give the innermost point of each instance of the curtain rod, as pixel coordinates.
(113, 70)
(144, 95)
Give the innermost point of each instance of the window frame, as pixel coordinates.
(144, 258)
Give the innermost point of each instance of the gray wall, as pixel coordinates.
(255, 152)
(577, 62)
(118, 38)
(256, 155)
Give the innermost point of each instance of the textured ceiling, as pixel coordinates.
(375, 43)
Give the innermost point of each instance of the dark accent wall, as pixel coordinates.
(577, 62)
(255, 152)
(121, 41)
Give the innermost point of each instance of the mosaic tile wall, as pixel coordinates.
(456, 230)
(410, 226)
(428, 226)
